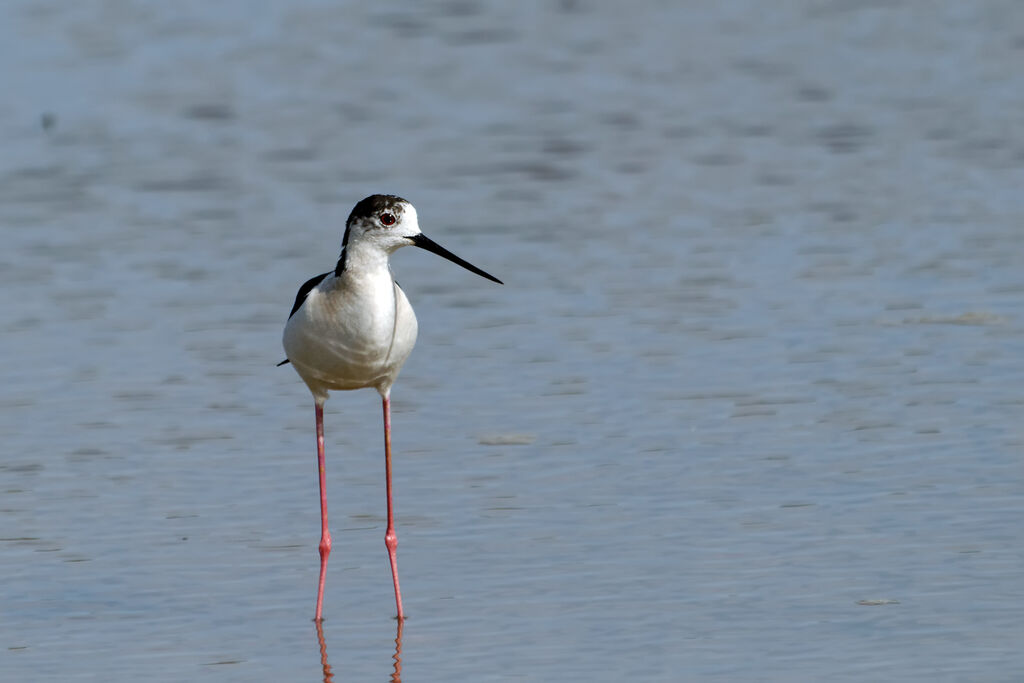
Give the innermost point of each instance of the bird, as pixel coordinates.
(353, 328)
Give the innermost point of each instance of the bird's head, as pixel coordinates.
(388, 222)
(383, 220)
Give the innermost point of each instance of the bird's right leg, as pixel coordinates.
(390, 537)
(325, 534)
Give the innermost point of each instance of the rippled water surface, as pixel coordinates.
(749, 406)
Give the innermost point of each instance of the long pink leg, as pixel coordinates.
(325, 534)
(390, 538)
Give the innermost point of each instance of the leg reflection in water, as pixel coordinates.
(396, 676)
(328, 676)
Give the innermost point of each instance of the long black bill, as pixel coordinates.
(424, 242)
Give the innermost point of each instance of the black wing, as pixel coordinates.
(304, 291)
(300, 298)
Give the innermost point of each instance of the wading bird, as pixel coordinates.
(353, 328)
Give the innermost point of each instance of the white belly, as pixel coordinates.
(351, 334)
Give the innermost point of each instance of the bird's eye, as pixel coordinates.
(387, 218)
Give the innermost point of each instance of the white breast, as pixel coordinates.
(352, 332)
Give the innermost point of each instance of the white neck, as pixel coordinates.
(363, 258)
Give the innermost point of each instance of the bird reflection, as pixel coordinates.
(396, 676)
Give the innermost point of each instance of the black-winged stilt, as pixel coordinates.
(353, 328)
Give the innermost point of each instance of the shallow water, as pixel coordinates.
(748, 407)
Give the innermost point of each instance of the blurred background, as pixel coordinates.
(747, 408)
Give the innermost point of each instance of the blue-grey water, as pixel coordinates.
(748, 408)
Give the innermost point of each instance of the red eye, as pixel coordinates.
(387, 218)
